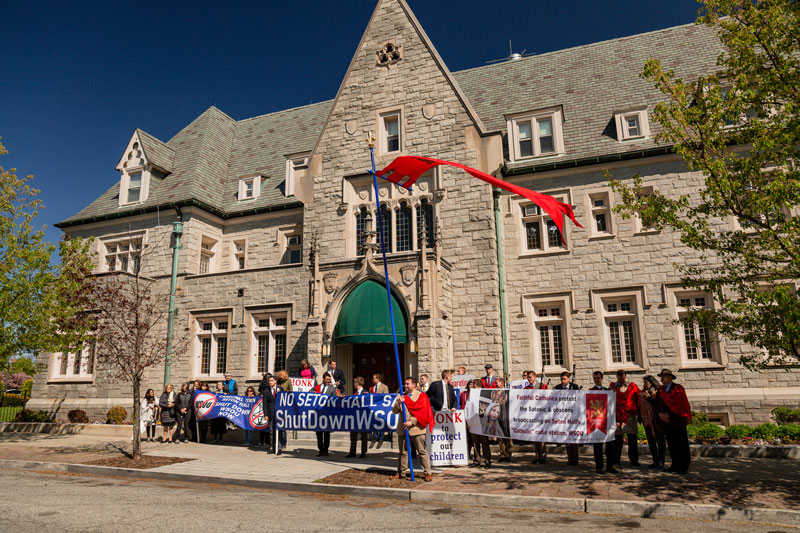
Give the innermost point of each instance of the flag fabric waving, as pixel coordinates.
(406, 170)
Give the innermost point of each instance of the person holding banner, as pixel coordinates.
(655, 437)
(506, 444)
(378, 388)
(419, 419)
(362, 435)
(229, 386)
(674, 414)
(539, 447)
(572, 449)
(324, 437)
(463, 402)
(248, 433)
(597, 376)
(442, 394)
(482, 455)
(285, 385)
(218, 425)
(627, 411)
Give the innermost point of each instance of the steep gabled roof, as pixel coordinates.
(156, 152)
(590, 82)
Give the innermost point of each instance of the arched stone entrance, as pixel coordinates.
(363, 332)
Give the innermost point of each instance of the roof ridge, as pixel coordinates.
(284, 110)
(573, 48)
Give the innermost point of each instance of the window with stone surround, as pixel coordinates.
(135, 176)
(539, 232)
(550, 334)
(391, 132)
(239, 255)
(208, 252)
(123, 254)
(696, 343)
(362, 227)
(211, 346)
(639, 226)
(75, 366)
(602, 222)
(269, 336)
(535, 134)
(402, 228)
(292, 243)
(425, 218)
(622, 342)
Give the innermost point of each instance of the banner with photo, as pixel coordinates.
(309, 411)
(247, 412)
(557, 416)
(447, 443)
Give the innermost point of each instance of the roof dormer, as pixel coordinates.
(144, 158)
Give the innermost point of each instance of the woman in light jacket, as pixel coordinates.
(147, 416)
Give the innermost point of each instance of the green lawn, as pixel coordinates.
(7, 414)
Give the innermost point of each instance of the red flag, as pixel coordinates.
(596, 413)
(406, 170)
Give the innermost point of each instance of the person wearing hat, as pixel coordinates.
(673, 414)
(572, 448)
(489, 381)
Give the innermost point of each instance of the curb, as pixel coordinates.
(638, 509)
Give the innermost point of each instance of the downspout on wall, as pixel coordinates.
(501, 279)
(177, 231)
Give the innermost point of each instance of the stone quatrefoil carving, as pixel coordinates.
(389, 55)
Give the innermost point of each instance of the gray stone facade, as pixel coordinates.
(449, 289)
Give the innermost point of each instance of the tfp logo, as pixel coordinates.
(257, 418)
(203, 403)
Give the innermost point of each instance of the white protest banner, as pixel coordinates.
(518, 384)
(486, 412)
(562, 416)
(460, 382)
(303, 384)
(447, 444)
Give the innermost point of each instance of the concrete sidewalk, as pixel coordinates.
(731, 483)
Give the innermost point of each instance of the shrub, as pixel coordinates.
(26, 388)
(789, 432)
(691, 431)
(78, 416)
(765, 431)
(699, 418)
(15, 379)
(738, 431)
(709, 431)
(28, 415)
(784, 415)
(13, 400)
(116, 415)
(642, 435)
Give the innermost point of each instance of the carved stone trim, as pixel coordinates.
(350, 126)
(409, 274)
(329, 281)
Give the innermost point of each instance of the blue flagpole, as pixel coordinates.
(389, 297)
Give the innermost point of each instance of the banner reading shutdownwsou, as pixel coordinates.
(247, 412)
(309, 411)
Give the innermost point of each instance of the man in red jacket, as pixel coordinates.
(489, 381)
(419, 419)
(627, 411)
(673, 414)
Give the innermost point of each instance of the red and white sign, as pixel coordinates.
(303, 384)
(447, 444)
(203, 403)
(460, 382)
(257, 417)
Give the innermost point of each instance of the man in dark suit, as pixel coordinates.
(338, 377)
(270, 395)
(597, 376)
(441, 401)
(360, 435)
(324, 437)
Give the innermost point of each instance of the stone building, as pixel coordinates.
(279, 263)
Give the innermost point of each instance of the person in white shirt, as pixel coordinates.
(359, 435)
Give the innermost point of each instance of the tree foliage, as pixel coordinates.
(740, 128)
(33, 291)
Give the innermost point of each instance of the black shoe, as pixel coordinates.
(325, 453)
(601, 471)
(279, 452)
(572, 463)
(475, 465)
(682, 472)
(543, 460)
(654, 465)
(320, 454)
(635, 464)
(487, 466)
(362, 456)
(671, 469)
(350, 455)
(612, 470)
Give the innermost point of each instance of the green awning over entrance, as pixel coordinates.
(365, 317)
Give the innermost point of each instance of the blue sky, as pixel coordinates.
(79, 77)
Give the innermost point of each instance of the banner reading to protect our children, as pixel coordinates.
(543, 415)
(447, 443)
(309, 411)
(247, 412)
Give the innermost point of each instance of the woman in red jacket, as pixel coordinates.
(627, 411)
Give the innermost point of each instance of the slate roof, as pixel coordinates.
(207, 158)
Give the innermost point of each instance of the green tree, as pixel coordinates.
(739, 127)
(37, 299)
(24, 365)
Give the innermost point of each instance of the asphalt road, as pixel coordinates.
(55, 501)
